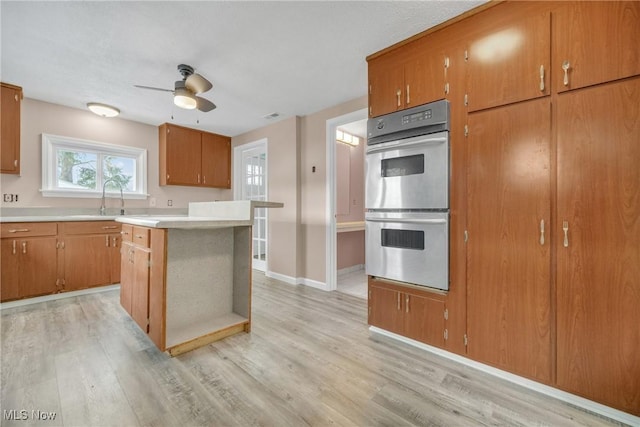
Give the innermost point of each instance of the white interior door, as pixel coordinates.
(251, 161)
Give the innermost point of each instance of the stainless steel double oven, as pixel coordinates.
(407, 196)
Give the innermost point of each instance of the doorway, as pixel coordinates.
(250, 164)
(345, 206)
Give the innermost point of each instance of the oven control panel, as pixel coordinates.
(421, 120)
(416, 117)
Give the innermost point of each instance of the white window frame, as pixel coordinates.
(51, 143)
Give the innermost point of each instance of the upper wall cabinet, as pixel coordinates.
(410, 75)
(508, 58)
(595, 42)
(10, 136)
(194, 158)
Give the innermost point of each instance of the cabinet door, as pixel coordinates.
(38, 266)
(127, 275)
(10, 99)
(87, 261)
(216, 161)
(183, 155)
(424, 319)
(423, 73)
(385, 309)
(598, 262)
(9, 272)
(140, 292)
(114, 257)
(505, 62)
(599, 41)
(508, 261)
(386, 83)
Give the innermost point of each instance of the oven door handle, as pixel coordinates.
(384, 146)
(408, 221)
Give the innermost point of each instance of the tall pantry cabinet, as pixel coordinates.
(598, 201)
(552, 220)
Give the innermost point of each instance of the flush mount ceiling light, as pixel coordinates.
(347, 138)
(103, 109)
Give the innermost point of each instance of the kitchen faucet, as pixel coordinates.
(103, 207)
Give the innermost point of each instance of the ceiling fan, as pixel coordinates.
(186, 90)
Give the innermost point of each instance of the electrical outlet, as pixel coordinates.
(169, 202)
(152, 202)
(8, 197)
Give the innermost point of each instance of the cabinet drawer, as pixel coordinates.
(127, 233)
(91, 227)
(29, 229)
(141, 236)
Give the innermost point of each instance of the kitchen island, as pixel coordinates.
(186, 280)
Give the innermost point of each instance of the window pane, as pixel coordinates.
(76, 169)
(119, 172)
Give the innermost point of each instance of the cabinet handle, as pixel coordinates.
(115, 242)
(13, 251)
(406, 306)
(204, 179)
(542, 78)
(565, 228)
(198, 178)
(15, 163)
(139, 236)
(167, 177)
(398, 301)
(408, 97)
(109, 227)
(565, 66)
(124, 233)
(24, 247)
(398, 94)
(106, 240)
(19, 230)
(15, 97)
(542, 232)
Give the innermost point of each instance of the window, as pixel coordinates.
(77, 168)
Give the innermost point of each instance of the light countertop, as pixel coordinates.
(199, 215)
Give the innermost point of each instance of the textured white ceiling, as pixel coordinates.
(292, 57)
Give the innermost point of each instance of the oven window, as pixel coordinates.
(402, 166)
(403, 239)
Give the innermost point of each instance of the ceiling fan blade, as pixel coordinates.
(154, 88)
(205, 105)
(198, 84)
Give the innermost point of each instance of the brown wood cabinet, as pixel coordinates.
(597, 40)
(141, 287)
(29, 260)
(10, 102)
(194, 158)
(508, 248)
(91, 254)
(509, 59)
(409, 76)
(408, 311)
(598, 243)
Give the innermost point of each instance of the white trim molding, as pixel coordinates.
(297, 280)
(572, 399)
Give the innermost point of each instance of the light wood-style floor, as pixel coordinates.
(309, 360)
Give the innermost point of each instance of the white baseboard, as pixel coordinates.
(61, 295)
(351, 269)
(581, 402)
(297, 280)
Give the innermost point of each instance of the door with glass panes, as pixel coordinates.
(254, 187)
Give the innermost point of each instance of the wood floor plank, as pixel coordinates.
(308, 361)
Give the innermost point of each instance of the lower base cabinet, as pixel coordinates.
(408, 311)
(136, 274)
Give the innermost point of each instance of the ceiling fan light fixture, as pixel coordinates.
(185, 99)
(103, 110)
